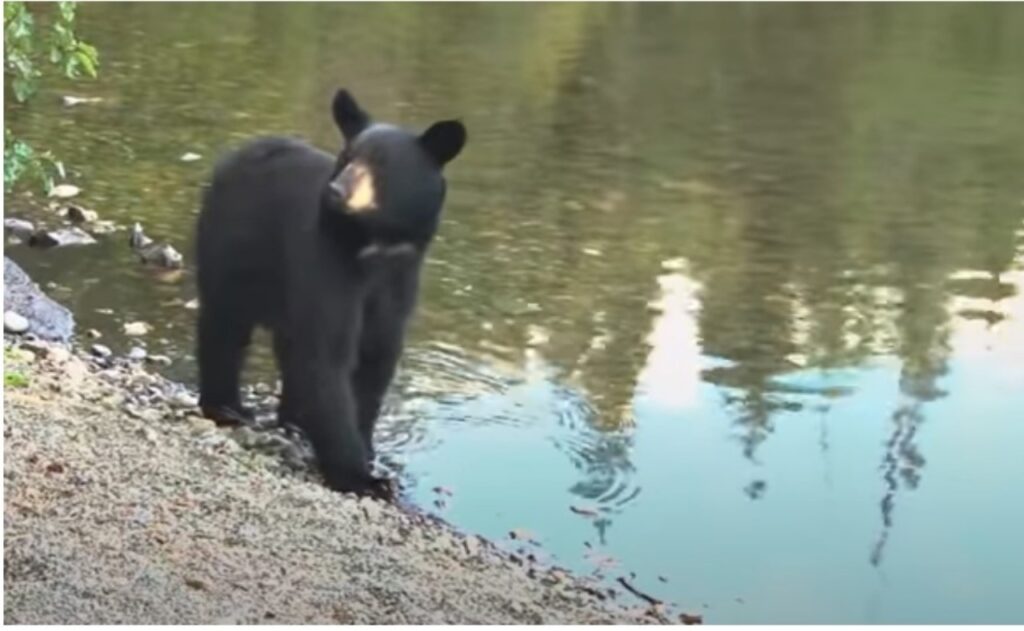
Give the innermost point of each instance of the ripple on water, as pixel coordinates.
(601, 456)
(443, 389)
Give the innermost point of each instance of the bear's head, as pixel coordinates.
(387, 179)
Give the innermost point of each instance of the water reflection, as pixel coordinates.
(703, 265)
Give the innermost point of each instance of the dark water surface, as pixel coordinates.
(745, 280)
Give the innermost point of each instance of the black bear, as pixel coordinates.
(326, 252)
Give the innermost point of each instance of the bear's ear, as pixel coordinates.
(349, 117)
(444, 140)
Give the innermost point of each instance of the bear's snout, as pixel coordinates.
(354, 185)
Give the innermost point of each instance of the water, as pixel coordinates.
(745, 281)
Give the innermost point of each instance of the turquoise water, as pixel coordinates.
(742, 285)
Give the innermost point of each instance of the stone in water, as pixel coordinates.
(15, 322)
(136, 328)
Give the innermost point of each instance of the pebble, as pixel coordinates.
(192, 304)
(15, 322)
(94, 334)
(137, 353)
(100, 350)
(199, 425)
(161, 360)
(104, 226)
(190, 157)
(136, 328)
(183, 399)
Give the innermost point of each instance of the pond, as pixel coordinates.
(730, 297)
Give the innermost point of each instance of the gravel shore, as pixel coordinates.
(122, 506)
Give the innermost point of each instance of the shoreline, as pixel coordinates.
(122, 505)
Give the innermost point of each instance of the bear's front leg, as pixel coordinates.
(386, 310)
(322, 404)
(370, 381)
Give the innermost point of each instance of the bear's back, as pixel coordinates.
(263, 196)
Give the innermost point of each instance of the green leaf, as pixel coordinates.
(87, 61)
(22, 88)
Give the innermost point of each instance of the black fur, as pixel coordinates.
(279, 246)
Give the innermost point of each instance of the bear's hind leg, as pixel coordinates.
(223, 340)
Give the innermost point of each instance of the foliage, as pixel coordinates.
(13, 378)
(24, 48)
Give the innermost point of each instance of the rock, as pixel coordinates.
(61, 237)
(94, 334)
(77, 214)
(137, 353)
(190, 157)
(100, 350)
(70, 101)
(47, 319)
(199, 425)
(192, 304)
(19, 228)
(136, 328)
(104, 226)
(137, 239)
(64, 191)
(163, 255)
(15, 322)
(183, 399)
